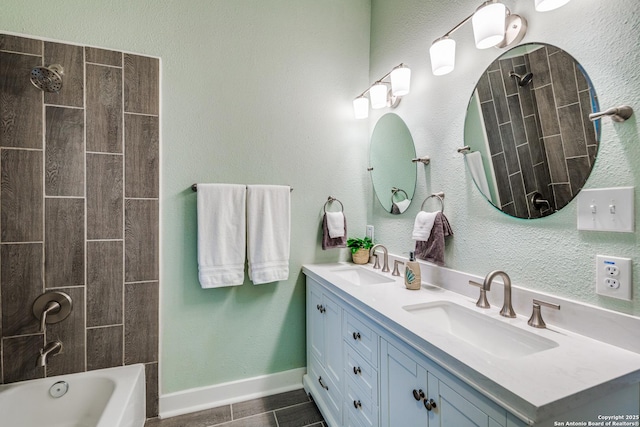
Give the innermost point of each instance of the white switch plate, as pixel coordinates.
(613, 277)
(606, 209)
(369, 232)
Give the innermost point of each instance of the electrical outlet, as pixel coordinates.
(369, 232)
(613, 277)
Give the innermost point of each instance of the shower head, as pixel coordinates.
(48, 79)
(522, 80)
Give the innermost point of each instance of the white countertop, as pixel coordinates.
(534, 387)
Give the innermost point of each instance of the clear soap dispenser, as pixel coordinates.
(412, 279)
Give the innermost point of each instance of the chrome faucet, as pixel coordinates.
(507, 309)
(51, 349)
(385, 267)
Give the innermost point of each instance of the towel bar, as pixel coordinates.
(464, 150)
(194, 187)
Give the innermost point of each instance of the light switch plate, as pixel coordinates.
(613, 277)
(606, 209)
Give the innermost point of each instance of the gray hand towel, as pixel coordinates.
(327, 241)
(433, 249)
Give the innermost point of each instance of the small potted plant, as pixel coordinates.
(360, 249)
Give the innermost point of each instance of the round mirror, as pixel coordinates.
(392, 172)
(531, 143)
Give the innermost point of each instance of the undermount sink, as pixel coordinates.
(486, 333)
(360, 276)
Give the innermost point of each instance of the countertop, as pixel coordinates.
(533, 387)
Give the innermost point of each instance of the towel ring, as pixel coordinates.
(331, 200)
(439, 196)
(395, 190)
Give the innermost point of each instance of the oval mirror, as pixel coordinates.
(392, 172)
(531, 143)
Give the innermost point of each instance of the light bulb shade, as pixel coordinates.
(361, 107)
(400, 80)
(443, 56)
(378, 95)
(489, 24)
(547, 5)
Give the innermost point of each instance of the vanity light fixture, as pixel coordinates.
(384, 93)
(493, 25)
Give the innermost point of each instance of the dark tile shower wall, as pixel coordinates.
(534, 147)
(79, 209)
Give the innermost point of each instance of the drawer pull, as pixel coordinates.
(357, 370)
(356, 336)
(429, 404)
(357, 404)
(322, 384)
(418, 395)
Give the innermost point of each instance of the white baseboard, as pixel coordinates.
(198, 399)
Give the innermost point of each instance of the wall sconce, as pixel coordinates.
(384, 94)
(493, 26)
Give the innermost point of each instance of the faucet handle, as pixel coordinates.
(376, 260)
(396, 263)
(482, 299)
(536, 316)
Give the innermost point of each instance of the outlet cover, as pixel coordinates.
(613, 277)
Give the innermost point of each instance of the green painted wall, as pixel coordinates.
(253, 91)
(550, 254)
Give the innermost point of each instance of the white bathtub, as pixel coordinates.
(113, 397)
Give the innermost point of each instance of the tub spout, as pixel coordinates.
(51, 349)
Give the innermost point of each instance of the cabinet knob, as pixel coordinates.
(322, 384)
(429, 404)
(357, 370)
(321, 308)
(418, 395)
(356, 336)
(357, 404)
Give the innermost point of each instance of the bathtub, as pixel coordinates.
(113, 397)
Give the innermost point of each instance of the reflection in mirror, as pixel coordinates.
(392, 172)
(532, 145)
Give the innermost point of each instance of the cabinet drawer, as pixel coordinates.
(359, 410)
(361, 373)
(361, 337)
(329, 392)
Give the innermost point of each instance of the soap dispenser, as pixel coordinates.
(412, 279)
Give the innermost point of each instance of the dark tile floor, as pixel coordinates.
(290, 409)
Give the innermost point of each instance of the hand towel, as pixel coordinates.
(423, 225)
(476, 169)
(221, 234)
(335, 224)
(399, 207)
(327, 241)
(268, 229)
(432, 250)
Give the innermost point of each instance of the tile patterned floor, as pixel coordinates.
(290, 409)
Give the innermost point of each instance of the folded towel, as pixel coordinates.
(423, 225)
(476, 169)
(327, 241)
(221, 234)
(268, 229)
(432, 250)
(399, 207)
(335, 224)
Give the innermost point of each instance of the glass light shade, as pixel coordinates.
(489, 25)
(547, 5)
(361, 107)
(400, 80)
(443, 56)
(378, 95)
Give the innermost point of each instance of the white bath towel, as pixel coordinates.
(335, 224)
(476, 169)
(221, 234)
(423, 225)
(268, 228)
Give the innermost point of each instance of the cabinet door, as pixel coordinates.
(332, 315)
(401, 375)
(315, 323)
(455, 410)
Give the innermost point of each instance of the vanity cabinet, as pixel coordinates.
(361, 375)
